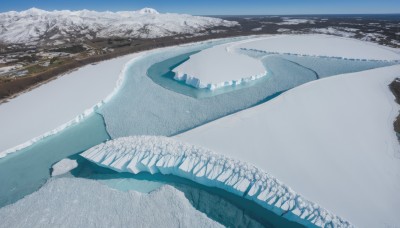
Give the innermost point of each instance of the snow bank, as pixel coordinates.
(165, 155)
(86, 203)
(31, 116)
(63, 166)
(219, 66)
(332, 140)
(322, 46)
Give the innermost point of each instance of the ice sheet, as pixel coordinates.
(67, 202)
(331, 140)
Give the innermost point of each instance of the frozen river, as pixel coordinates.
(150, 102)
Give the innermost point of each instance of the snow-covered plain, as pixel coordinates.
(331, 140)
(33, 115)
(219, 66)
(78, 202)
(35, 25)
(323, 46)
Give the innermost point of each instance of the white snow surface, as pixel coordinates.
(323, 46)
(219, 66)
(63, 166)
(37, 25)
(51, 107)
(158, 154)
(331, 140)
(74, 202)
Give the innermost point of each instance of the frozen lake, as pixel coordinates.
(151, 102)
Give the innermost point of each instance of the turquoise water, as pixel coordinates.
(150, 102)
(162, 74)
(282, 65)
(144, 107)
(219, 205)
(326, 67)
(27, 170)
(321, 66)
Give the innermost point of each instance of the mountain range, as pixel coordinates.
(37, 26)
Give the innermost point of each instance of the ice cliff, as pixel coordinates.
(157, 154)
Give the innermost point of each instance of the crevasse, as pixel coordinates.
(159, 154)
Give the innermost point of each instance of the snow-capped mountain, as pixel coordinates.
(36, 25)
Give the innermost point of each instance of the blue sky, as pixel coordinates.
(215, 7)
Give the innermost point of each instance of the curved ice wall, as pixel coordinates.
(167, 156)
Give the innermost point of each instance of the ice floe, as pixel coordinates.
(219, 66)
(331, 140)
(158, 154)
(63, 166)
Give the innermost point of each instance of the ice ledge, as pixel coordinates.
(197, 83)
(158, 154)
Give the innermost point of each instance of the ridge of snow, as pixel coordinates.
(36, 25)
(158, 154)
(321, 45)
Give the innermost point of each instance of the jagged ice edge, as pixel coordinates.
(159, 154)
(195, 82)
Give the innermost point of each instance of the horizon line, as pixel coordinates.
(222, 14)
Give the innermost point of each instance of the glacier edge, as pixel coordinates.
(159, 154)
